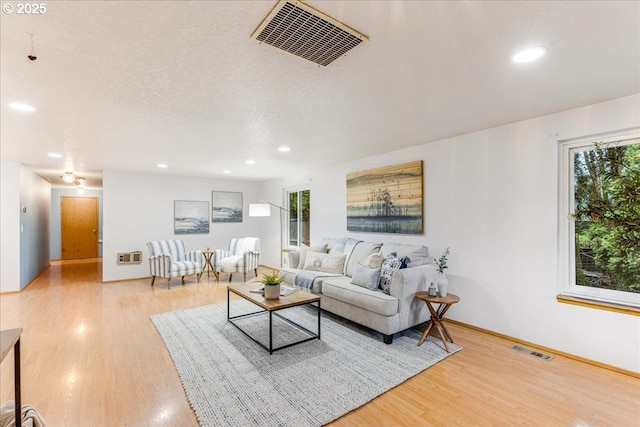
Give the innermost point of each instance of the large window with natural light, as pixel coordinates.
(299, 205)
(600, 218)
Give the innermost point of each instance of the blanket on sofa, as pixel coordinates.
(305, 278)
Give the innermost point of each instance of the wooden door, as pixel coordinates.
(79, 228)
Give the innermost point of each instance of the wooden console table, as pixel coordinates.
(437, 315)
(11, 338)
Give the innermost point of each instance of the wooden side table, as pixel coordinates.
(208, 267)
(437, 315)
(11, 338)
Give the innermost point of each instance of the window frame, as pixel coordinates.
(288, 191)
(566, 230)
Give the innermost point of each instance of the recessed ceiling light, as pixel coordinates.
(22, 107)
(162, 165)
(55, 155)
(284, 149)
(250, 162)
(226, 171)
(528, 55)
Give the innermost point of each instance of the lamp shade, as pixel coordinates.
(259, 209)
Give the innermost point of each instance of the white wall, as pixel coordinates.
(24, 252)
(35, 210)
(139, 208)
(9, 226)
(492, 196)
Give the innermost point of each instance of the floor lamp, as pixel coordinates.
(263, 208)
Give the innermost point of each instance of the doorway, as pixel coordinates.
(79, 227)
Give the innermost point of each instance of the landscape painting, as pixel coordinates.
(190, 217)
(226, 206)
(386, 200)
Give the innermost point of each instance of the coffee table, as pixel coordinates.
(271, 306)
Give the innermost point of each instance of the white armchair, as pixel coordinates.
(168, 259)
(243, 255)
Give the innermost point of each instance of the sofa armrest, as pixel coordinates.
(404, 285)
(160, 265)
(294, 259)
(195, 256)
(219, 254)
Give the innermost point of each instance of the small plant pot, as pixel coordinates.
(272, 291)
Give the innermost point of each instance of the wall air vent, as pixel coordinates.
(130, 257)
(299, 29)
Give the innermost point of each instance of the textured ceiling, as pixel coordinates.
(127, 85)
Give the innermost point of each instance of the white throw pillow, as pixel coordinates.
(304, 249)
(326, 263)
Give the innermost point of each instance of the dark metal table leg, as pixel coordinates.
(270, 332)
(16, 376)
(318, 319)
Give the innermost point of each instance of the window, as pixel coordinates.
(299, 219)
(600, 219)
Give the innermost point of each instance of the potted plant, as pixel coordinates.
(271, 284)
(441, 278)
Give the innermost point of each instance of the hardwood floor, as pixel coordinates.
(92, 357)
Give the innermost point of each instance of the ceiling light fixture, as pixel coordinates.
(80, 182)
(69, 177)
(284, 149)
(55, 155)
(162, 165)
(528, 55)
(250, 162)
(22, 107)
(227, 171)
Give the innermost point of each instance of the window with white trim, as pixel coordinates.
(299, 219)
(599, 220)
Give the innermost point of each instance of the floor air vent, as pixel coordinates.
(130, 257)
(531, 352)
(301, 30)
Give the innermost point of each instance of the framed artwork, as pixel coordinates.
(190, 217)
(386, 200)
(226, 206)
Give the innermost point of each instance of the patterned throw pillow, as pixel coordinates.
(390, 263)
(366, 277)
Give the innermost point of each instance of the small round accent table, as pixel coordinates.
(437, 315)
(208, 267)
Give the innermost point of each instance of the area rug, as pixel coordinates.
(231, 381)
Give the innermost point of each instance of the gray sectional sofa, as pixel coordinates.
(373, 308)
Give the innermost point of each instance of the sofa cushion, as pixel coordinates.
(374, 301)
(374, 260)
(358, 255)
(366, 277)
(417, 254)
(304, 249)
(328, 263)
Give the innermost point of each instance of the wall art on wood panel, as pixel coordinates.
(386, 200)
(190, 217)
(226, 206)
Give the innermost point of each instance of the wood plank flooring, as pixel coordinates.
(92, 357)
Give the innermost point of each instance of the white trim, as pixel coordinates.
(566, 232)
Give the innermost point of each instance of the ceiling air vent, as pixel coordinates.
(299, 29)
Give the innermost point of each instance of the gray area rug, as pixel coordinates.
(231, 381)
